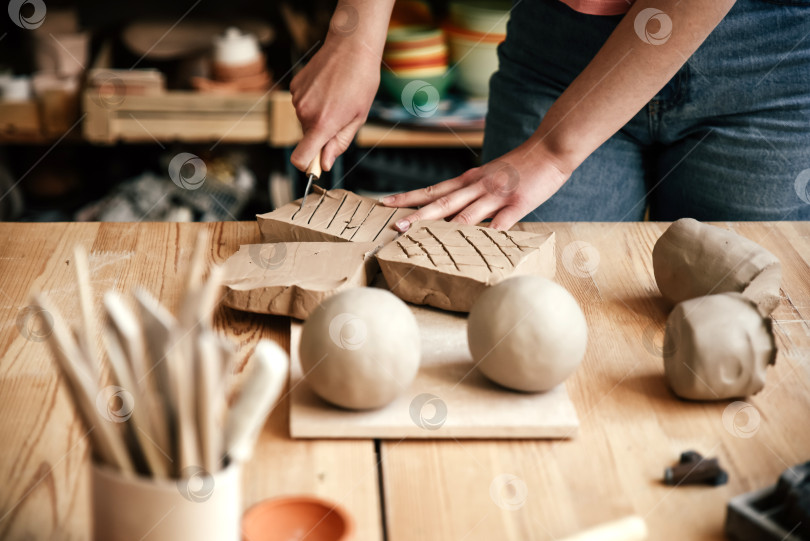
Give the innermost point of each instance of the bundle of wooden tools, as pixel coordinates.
(154, 400)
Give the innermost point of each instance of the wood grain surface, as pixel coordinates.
(45, 458)
(632, 427)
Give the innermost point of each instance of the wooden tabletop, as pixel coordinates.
(632, 427)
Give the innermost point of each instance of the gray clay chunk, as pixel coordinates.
(692, 259)
(717, 347)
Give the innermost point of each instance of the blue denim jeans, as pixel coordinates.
(726, 139)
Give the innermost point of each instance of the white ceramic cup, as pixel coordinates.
(234, 48)
(16, 89)
(199, 507)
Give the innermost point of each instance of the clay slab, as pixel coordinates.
(448, 265)
(448, 399)
(292, 278)
(329, 216)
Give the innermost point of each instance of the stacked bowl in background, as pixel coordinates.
(476, 28)
(414, 53)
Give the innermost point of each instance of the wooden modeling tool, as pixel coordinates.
(188, 448)
(185, 354)
(138, 420)
(169, 374)
(313, 173)
(632, 528)
(125, 337)
(262, 389)
(159, 325)
(107, 440)
(210, 401)
(88, 337)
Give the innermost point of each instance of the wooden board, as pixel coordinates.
(448, 399)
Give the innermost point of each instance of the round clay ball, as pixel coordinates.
(527, 333)
(360, 348)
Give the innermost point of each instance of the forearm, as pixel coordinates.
(360, 24)
(624, 75)
(333, 92)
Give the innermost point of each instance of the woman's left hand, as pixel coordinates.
(506, 190)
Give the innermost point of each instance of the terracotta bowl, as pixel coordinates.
(296, 517)
(225, 72)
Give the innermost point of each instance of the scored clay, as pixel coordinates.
(448, 265)
(330, 216)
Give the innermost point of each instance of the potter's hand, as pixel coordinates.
(334, 91)
(506, 190)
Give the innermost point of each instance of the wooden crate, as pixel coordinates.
(19, 119)
(135, 115)
(59, 112)
(285, 131)
(180, 116)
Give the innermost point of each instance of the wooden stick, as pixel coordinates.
(182, 358)
(108, 443)
(196, 268)
(88, 337)
(128, 331)
(148, 420)
(130, 334)
(210, 402)
(201, 296)
(195, 315)
(159, 325)
(209, 295)
(630, 528)
(227, 351)
(267, 378)
(138, 422)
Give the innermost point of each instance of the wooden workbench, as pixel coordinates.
(631, 425)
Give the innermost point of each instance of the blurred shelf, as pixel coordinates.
(39, 139)
(123, 109)
(40, 121)
(177, 116)
(197, 117)
(381, 135)
(20, 119)
(285, 131)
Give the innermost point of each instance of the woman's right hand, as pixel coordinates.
(332, 94)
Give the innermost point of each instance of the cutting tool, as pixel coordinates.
(313, 173)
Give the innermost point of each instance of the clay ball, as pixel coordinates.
(360, 348)
(527, 333)
(717, 347)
